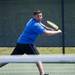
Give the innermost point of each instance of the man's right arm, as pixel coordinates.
(48, 32)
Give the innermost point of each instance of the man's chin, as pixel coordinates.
(39, 20)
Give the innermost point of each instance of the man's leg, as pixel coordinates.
(17, 51)
(2, 64)
(40, 68)
(32, 50)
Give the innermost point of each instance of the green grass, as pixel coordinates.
(42, 50)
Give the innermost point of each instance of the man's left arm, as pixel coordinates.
(48, 28)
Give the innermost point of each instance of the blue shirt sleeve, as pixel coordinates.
(38, 28)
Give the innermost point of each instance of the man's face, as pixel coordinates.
(38, 17)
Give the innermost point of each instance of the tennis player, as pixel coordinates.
(25, 43)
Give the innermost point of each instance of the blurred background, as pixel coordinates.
(15, 13)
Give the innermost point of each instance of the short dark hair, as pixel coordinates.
(36, 12)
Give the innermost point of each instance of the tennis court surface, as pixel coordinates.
(31, 69)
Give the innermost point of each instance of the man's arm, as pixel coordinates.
(48, 32)
(48, 28)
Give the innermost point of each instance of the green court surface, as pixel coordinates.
(31, 69)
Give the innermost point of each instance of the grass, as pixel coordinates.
(42, 50)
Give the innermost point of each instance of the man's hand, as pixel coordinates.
(59, 31)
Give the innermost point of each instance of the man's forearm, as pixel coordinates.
(48, 32)
(48, 28)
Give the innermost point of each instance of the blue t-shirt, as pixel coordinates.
(32, 29)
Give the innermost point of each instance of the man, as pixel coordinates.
(25, 42)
